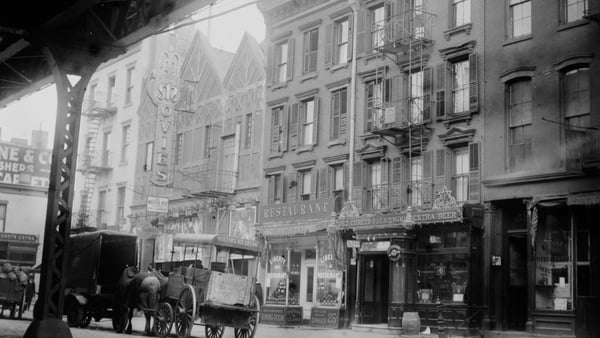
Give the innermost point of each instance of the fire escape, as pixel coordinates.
(406, 115)
(91, 165)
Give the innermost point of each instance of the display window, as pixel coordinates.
(329, 277)
(277, 277)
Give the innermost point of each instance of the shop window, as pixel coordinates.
(442, 278)
(553, 267)
(329, 277)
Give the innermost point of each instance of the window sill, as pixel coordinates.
(335, 143)
(275, 155)
(303, 149)
(450, 119)
(279, 85)
(573, 24)
(308, 76)
(466, 28)
(337, 67)
(512, 41)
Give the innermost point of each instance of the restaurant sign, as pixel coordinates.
(302, 210)
(418, 217)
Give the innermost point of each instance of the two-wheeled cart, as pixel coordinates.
(223, 296)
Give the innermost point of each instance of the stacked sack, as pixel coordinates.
(15, 272)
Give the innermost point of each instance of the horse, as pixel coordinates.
(139, 290)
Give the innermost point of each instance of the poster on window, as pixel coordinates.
(329, 278)
(277, 278)
(242, 223)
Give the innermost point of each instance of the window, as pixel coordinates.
(105, 156)
(305, 184)
(416, 177)
(110, 91)
(149, 156)
(519, 116)
(129, 88)
(281, 51)
(378, 31)
(338, 178)
(277, 130)
(338, 113)
(100, 213)
(576, 91)
(374, 105)
(520, 18)
(308, 123)
(341, 41)
(3, 216)
(460, 86)
(121, 205)
(375, 188)
(249, 131)
(311, 47)
(461, 174)
(179, 148)
(573, 10)
(416, 97)
(276, 189)
(462, 12)
(125, 142)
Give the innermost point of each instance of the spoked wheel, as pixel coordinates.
(214, 331)
(186, 312)
(87, 318)
(252, 322)
(164, 319)
(75, 313)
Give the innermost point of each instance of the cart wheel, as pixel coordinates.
(74, 314)
(87, 319)
(164, 320)
(252, 322)
(214, 331)
(185, 312)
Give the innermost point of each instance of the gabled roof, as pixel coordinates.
(247, 66)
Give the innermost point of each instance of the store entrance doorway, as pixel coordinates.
(375, 289)
(516, 311)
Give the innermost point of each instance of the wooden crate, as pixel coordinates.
(229, 289)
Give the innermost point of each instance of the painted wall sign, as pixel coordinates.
(419, 217)
(325, 317)
(5, 236)
(24, 165)
(315, 209)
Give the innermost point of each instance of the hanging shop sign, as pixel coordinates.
(417, 217)
(313, 209)
(157, 204)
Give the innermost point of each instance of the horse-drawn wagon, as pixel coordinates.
(224, 295)
(96, 260)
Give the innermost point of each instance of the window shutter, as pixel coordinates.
(314, 178)
(293, 187)
(306, 53)
(357, 187)
(315, 132)
(474, 172)
(275, 127)
(294, 127)
(290, 63)
(314, 53)
(427, 188)
(329, 49)
(284, 125)
(427, 88)
(270, 64)
(323, 179)
(343, 104)
(369, 110)
(385, 183)
(473, 82)
(440, 169)
(440, 90)
(405, 179)
(282, 188)
(346, 180)
(363, 32)
(350, 35)
(271, 192)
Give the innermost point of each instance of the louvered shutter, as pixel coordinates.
(440, 169)
(357, 185)
(285, 128)
(290, 60)
(440, 90)
(292, 187)
(294, 126)
(270, 64)
(282, 188)
(363, 35)
(427, 88)
(474, 172)
(275, 130)
(405, 179)
(323, 181)
(343, 106)
(396, 193)
(427, 186)
(271, 191)
(329, 45)
(385, 184)
(473, 82)
(346, 180)
(350, 34)
(315, 132)
(314, 178)
(393, 113)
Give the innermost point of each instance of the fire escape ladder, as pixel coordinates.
(88, 169)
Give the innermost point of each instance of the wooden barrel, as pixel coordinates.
(411, 323)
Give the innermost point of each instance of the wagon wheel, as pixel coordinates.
(164, 319)
(214, 331)
(252, 322)
(87, 318)
(185, 312)
(75, 314)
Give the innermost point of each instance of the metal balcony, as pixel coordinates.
(208, 183)
(95, 163)
(401, 32)
(398, 117)
(101, 106)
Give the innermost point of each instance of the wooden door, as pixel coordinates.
(517, 282)
(375, 289)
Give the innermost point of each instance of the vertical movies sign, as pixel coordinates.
(164, 89)
(24, 165)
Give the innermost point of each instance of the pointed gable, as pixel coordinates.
(247, 66)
